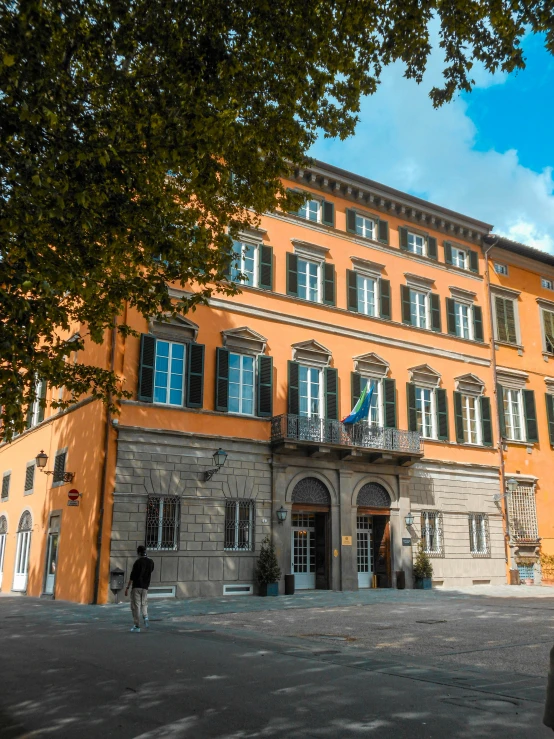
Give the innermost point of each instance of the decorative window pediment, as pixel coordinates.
(549, 382)
(424, 375)
(175, 328)
(469, 384)
(510, 378)
(465, 296)
(309, 250)
(371, 365)
(244, 340)
(418, 282)
(366, 267)
(311, 352)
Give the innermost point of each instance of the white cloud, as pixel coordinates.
(403, 142)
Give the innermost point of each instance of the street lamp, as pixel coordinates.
(219, 457)
(281, 514)
(409, 519)
(512, 485)
(41, 461)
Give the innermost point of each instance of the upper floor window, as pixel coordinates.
(311, 392)
(375, 415)
(463, 323)
(547, 284)
(246, 264)
(431, 532)
(239, 525)
(418, 309)
(416, 243)
(548, 325)
(169, 373)
(479, 542)
(365, 226)
(366, 287)
(162, 522)
(505, 319)
(6, 477)
(241, 384)
(425, 411)
(311, 210)
(516, 408)
(309, 280)
(427, 404)
(459, 258)
(513, 414)
(37, 408)
(501, 269)
(464, 320)
(471, 419)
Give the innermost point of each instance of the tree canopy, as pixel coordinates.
(138, 137)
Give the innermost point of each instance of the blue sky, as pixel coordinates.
(488, 154)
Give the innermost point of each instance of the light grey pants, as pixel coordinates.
(139, 604)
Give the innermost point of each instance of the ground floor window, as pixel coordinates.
(23, 547)
(239, 525)
(162, 522)
(431, 532)
(522, 512)
(479, 542)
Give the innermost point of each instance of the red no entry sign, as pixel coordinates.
(73, 494)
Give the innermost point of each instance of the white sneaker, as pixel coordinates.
(146, 623)
(136, 628)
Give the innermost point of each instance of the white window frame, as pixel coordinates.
(36, 403)
(243, 399)
(366, 227)
(501, 269)
(241, 261)
(460, 255)
(169, 373)
(547, 283)
(415, 312)
(413, 245)
(305, 207)
(376, 410)
(459, 306)
(509, 414)
(2, 555)
(318, 265)
(433, 401)
(466, 398)
(22, 556)
(479, 525)
(321, 398)
(362, 292)
(432, 520)
(233, 523)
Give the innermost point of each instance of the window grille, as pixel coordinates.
(162, 523)
(431, 533)
(29, 478)
(6, 486)
(479, 539)
(59, 467)
(3, 525)
(25, 522)
(239, 525)
(523, 515)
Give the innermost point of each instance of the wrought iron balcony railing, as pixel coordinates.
(362, 434)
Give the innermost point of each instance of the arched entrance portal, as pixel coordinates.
(373, 536)
(311, 506)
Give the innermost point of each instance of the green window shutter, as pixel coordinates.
(329, 284)
(356, 387)
(478, 323)
(432, 252)
(351, 220)
(30, 416)
(222, 379)
(42, 400)
(146, 368)
(265, 386)
(447, 252)
(195, 375)
(352, 288)
(442, 413)
(412, 412)
(530, 415)
(548, 322)
(230, 259)
(486, 421)
(294, 388)
(403, 238)
(473, 261)
(451, 316)
(266, 267)
(550, 416)
(435, 312)
(384, 299)
(389, 394)
(383, 231)
(293, 212)
(511, 322)
(459, 418)
(500, 405)
(292, 274)
(331, 394)
(406, 311)
(328, 213)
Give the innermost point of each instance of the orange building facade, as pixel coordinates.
(365, 290)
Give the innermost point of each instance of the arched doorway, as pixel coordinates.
(373, 536)
(311, 506)
(23, 547)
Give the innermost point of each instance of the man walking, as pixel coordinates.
(139, 582)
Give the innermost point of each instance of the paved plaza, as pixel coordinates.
(400, 664)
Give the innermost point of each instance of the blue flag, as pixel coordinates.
(360, 411)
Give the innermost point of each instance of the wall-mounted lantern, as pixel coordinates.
(219, 457)
(409, 519)
(42, 460)
(281, 514)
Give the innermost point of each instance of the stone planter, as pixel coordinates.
(423, 583)
(271, 588)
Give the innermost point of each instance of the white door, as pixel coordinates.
(303, 550)
(364, 541)
(22, 561)
(51, 562)
(2, 550)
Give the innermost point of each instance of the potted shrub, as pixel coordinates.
(268, 572)
(422, 570)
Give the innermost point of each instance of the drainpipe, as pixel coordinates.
(494, 374)
(104, 478)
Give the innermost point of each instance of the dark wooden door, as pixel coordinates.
(321, 551)
(381, 550)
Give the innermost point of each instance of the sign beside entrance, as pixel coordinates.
(346, 541)
(406, 541)
(72, 502)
